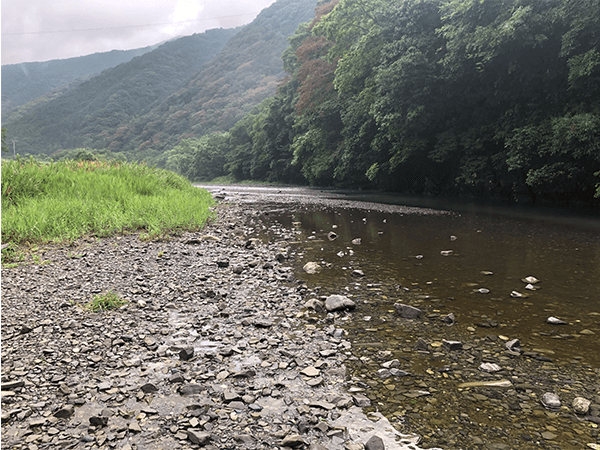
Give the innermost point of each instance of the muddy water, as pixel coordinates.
(489, 251)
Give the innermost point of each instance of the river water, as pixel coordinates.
(452, 257)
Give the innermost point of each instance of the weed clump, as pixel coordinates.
(105, 302)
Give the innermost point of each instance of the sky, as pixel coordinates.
(41, 30)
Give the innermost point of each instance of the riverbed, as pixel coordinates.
(501, 273)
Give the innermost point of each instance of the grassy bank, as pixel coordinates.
(60, 202)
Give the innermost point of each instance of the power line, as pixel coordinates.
(126, 26)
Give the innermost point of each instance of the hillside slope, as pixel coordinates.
(22, 83)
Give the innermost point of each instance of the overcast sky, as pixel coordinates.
(41, 30)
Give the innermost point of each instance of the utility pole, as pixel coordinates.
(14, 152)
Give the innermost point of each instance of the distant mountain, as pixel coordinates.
(24, 82)
(187, 87)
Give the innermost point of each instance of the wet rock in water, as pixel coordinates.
(555, 321)
(483, 290)
(517, 294)
(581, 405)
(332, 236)
(490, 367)
(446, 252)
(514, 345)
(550, 401)
(532, 287)
(312, 267)
(338, 303)
(361, 401)
(375, 443)
(490, 384)
(422, 345)
(453, 345)
(587, 332)
(449, 319)
(530, 280)
(357, 241)
(407, 311)
(315, 304)
(358, 273)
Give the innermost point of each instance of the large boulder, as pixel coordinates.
(338, 303)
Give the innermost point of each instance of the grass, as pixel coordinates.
(63, 201)
(105, 302)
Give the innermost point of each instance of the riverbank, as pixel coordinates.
(210, 350)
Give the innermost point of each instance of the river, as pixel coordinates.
(453, 257)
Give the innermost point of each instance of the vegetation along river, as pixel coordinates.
(471, 262)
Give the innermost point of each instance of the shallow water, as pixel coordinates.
(406, 250)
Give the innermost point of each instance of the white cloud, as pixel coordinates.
(40, 30)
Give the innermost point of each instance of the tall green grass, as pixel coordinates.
(62, 201)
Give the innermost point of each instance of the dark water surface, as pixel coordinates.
(405, 249)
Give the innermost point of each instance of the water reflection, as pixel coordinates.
(413, 251)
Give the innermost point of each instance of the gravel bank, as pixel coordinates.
(211, 350)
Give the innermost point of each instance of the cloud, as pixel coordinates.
(41, 30)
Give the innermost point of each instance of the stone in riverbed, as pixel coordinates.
(293, 440)
(338, 303)
(550, 401)
(65, 412)
(490, 367)
(407, 311)
(514, 345)
(186, 353)
(198, 436)
(581, 405)
(312, 267)
(453, 345)
(555, 321)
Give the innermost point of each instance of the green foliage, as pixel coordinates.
(105, 302)
(64, 200)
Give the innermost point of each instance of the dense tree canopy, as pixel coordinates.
(476, 97)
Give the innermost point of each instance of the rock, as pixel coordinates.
(358, 273)
(446, 252)
(190, 389)
(516, 294)
(483, 290)
(293, 440)
(338, 303)
(311, 371)
(332, 236)
(453, 345)
(449, 319)
(11, 385)
(223, 263)
(198, 436)
(422, 345)
(491, 384)
(148, 388)
(555, 321)
(361, 401)
(407, 311)
(186, 354)
(312, 267)
(530, 280)
(98, 421)
(587, 332)
(514, 345)
(315, 304)
(490, 367)
(65, 412)
(581, 405)
(356, 241)
(375, 443)
(550, 401)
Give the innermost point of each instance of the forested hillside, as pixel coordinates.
(24, 82)
(184, 88)
(98, 107)
(449, 97)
